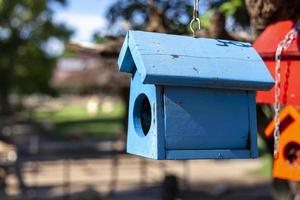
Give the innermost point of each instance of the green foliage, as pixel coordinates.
(99, 39)
(69, 54)
(205, 19)
(235, 9)
(176, 14)
(230, 8)
(26, 28)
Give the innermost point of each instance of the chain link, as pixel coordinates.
(196, 19)
(283, 45)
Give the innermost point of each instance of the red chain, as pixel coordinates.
(286, 83)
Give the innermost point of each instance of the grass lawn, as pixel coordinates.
(73, 121)
(266, 167)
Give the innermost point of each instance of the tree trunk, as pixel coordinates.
(156, 22)
(6, 84)
(4, 101)
(265, 12)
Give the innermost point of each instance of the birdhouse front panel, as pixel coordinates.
(291, 82)
(266, 45)
(202, 113)
(192, 98)
(287, 165)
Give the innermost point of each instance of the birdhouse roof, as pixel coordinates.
(287, 116)
(164, 59)
(266, 44)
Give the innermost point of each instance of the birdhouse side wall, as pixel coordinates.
(141, 142)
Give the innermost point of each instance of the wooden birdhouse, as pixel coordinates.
(192, 98)
(266, 45)
(287, 165)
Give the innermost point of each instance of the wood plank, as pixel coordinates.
(207, 154)
(199, 118)
(163, 59)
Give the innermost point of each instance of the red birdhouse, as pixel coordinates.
(266, 45)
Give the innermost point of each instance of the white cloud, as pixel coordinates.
(83, 25)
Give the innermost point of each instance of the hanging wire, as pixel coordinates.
(195, 23)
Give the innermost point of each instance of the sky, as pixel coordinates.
(85, 17)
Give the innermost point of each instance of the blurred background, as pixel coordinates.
(63, 103)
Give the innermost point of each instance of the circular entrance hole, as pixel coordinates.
(292, 154)
(142, 115)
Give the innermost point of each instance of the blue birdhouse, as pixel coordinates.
(192, 98)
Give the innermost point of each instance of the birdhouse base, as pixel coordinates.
(207, 154)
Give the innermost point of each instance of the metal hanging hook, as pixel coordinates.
(195, 23)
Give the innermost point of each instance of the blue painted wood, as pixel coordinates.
(199, 62)
(207, 154)
(209, 118)
(201, 95)
(151, 145)
(125, 60)
(252, 122)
